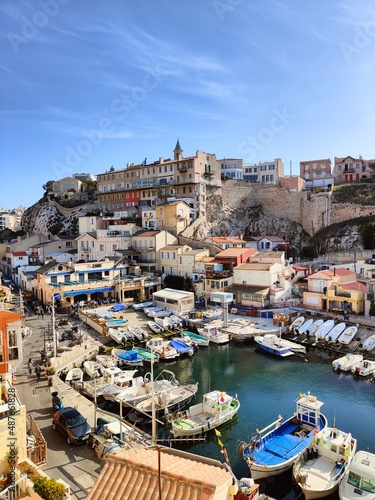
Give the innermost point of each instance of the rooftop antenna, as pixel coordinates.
(290, 166)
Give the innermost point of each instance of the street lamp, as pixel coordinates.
(55, 296)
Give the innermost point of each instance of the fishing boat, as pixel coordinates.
(168, 401)
(138, 332)
(112, 377)
(119, 335)
(277, 346)
(324, 329)
(296, 323)
(305, 327)
(319, 470)
(313, 328)
(335, 333)
(92, 368)
(198, 339)
(274, 449)
(163, 348)
(155, 327)
(146, 354)
(364, 368)
(128, 357)
(345, 363)
(74, 375)
(359, 478)
(116, 322)
(348, 335)
(369, 343)
(123, 383)
(216, 408)
(182, 347)
(214, 334)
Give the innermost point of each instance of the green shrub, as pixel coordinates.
(49, 489)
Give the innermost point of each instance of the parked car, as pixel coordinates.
(72, 425)
(5, 281)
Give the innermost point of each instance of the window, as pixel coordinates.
(53, 279)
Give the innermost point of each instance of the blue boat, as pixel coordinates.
(181, 347)
(274, 449)
(198, 339)
(116, 322)
(131, 358)
(118, 307)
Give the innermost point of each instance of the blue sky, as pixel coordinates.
(87, 85)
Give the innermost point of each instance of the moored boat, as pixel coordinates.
(345, 363)
(214, 334)
(92, 368)
(138, 332)
(319, 470)
(359, 479)
(364, 368)
(324, 329)
(128, 357)
(155, 327)
(369, 343)
(348, 335)
(182, 347)
(335, 333)
(119, 335)
(163, 348)
(198, 339)
(313, 328)
(305, 327)
(146, 354)
(296, 323)
(277, 346)
(216, 408)
(116, 322)
(74, 375)
(274, 449)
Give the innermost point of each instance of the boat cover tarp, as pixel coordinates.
(118, 307)
(280, 449)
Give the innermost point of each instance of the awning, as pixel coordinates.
(88, 292)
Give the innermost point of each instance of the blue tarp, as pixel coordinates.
(118, 307)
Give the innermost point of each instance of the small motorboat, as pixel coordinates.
(163, 348)
(122, 383)
(116, 322)
(182, 347)
(155, 327)
(324, 329)
(319, 470)
(277, 346)
(369, 343)
(138, 332)
(120, 335)
(216, 408)
(364, 368)
(359, 477)
(92, 369)
(348, 335)
(296, 323)
(74, 375)
(129, 357)
(313, 328)
(335, 333)
(274, 449)
(305, 327)
(346, 363)
(146, 354)
(142, 305)
(214, 334)
(105, 360)
(198, 339)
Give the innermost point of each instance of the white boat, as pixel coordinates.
(177, 321)
(119, 335)
(274, 449)
(168, 401)
(214, 334)
(364, 368)
(110, 376)
(163, 348)
(348, 335)
(198, 339)
(296, 323)
(317, 324)
(335, 333)
(324, 329)
(250, 489)
(167, 323)
(359, 479)
(124, 383)
(74, 375)
(305, 326)
(155, 327)
(138, 332)
(345, 363)
(216, 408)
(369, 343)
(106, 360)
(92, 368)
(142, 305)
(212, 313)
(166, 380)
(277, 346)
(319, 470)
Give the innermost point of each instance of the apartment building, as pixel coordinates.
(232, 168)
(316, 173)
(267, 172)
(151, 184)
(350, 169)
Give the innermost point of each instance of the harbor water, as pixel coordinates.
(268, 387)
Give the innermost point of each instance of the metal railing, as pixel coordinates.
(16, 490)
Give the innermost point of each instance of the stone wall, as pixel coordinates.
(346, 211)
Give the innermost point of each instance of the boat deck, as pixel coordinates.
(320, 474)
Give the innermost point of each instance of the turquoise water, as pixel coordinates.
(267, 387)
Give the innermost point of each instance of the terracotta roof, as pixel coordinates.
(19, 254)
(234, 252)
(133, 474)
(356, 285)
